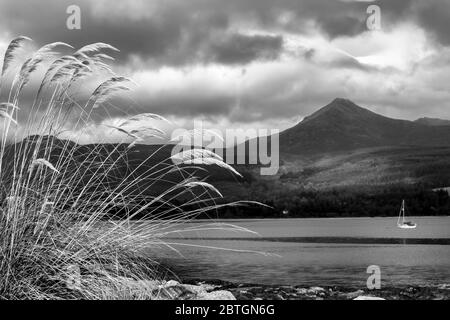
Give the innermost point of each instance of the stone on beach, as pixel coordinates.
(215, 295)
(368, 298)
(222, 290)
(445, 286)
(354, 294)
(174, 290)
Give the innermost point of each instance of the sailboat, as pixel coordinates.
(401, 223)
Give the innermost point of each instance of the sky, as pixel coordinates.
(257, 63)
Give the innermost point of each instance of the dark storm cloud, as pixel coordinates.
(432, 15)
(188, 104)
(177, 32)
(238, 48)
(185, 35)
(348, 26)
(435, 17)
(173, 34)
(45, 21)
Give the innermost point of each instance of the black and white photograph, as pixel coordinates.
(239, 151)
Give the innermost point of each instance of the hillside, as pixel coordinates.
(345, 160)
(339, 155)
(433, 121)
(343, 125)
(374, 167)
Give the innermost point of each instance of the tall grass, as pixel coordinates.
(56, 195)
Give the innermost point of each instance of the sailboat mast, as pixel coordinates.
(403, 211)
(401, 216)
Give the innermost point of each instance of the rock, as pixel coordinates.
(444, 286)
(215, 295)
(302, 291)
(128, 288)
(208, 287)
(313, 291)
(171, 283)
(174, 290)
(368, 298)
(354, 294)
(194, 289)
(199, 290)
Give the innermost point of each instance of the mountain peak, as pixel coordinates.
(343, 125)
(342, 103)
(339, 106)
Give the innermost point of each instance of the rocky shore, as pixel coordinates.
(222, 290)
(197, 289)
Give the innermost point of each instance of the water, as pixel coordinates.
(317, 252)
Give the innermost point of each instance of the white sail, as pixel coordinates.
(402, 224)
(401, 215)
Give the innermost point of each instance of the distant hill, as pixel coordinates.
(433, 121)
(110, 164)
(342, 125)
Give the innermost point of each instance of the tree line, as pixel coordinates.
(356, 201)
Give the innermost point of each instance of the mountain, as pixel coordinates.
(433, 121)
(341, 160)
(344, 160)
(342, 125)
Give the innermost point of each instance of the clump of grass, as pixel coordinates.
(57, 240)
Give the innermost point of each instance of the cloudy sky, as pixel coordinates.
(259, 63)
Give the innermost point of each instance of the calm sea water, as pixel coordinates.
(315, 252)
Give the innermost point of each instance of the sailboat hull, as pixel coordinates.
(401, 223)
(406, 226)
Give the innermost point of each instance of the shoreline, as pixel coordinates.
(308, 218)
(250, 219)
(246, 291)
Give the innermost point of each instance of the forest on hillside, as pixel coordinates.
(356, 201)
